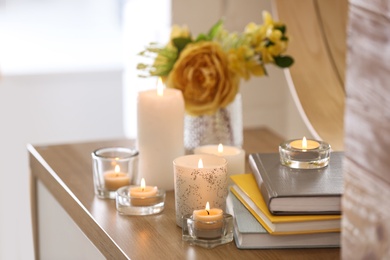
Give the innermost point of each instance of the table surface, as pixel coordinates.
(66, 171)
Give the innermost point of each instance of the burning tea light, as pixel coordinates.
(115, 180)
(208, 218)
(304, 144)
(113, 168)
(140, 200)
(143, 191)
(143, 195)
(304, 153)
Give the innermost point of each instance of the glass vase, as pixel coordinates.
(225, 127)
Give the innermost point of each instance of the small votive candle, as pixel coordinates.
(304, 153)
(113, 167)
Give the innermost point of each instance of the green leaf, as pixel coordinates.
(181, 42)
(284, 61)
(214, 30)
(202, 37)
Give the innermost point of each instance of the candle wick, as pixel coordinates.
(208, 213)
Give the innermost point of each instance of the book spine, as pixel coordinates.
(263, 184)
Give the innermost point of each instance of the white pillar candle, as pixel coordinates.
(196, 184)
(234, 156)
(160, 135)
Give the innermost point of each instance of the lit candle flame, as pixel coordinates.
(220, 148)
(160, 87)
(200, 163)
(304, 143)
(143, 184)
(117, 169)
(208, 208)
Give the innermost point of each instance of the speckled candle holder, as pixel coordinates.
(195, 186)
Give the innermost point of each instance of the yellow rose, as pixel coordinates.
(202, 74)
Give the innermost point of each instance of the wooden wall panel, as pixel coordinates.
(333, 16)
(366, 200)
(313, 26)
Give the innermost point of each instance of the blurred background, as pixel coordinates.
(68, 75)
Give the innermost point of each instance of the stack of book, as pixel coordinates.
(280, 207)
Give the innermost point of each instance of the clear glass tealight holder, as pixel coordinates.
(113, 168)
(299, 158)
(135, 205)
(207, 234)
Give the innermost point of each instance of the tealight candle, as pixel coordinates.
(208, 222)
(143, 195)
(115, 180)
(208, 215)
(304, 154)
(304, 144)
(234, 156)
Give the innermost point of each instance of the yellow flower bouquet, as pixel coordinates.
(208, 68)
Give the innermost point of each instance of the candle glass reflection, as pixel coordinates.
(113, 168)
(195, 186)
(304, 154)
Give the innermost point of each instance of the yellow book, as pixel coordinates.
(246, 190)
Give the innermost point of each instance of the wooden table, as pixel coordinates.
(66, 171)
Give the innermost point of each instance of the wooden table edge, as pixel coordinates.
(71, 205)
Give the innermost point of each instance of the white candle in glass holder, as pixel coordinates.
(160, 134)
(234, 156)
(199, 178)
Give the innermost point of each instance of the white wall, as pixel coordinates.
(43, 109)
(61, 82)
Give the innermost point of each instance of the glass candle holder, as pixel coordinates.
(196, 185)
(127, 204)
(208, 234)
(313, 156)
(113, 168)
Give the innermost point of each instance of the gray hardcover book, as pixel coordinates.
(250, 234)
(290, 191)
